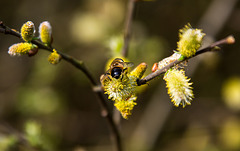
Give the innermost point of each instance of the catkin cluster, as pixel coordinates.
(28, 35)
(178, 85)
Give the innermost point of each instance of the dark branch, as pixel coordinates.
(227, 40)
(128, 25)
(6, 30)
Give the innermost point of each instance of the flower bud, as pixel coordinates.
(45, 32)
(155, 67)
(54, 57)
(190, 40)
(27, 31)
(21, 48)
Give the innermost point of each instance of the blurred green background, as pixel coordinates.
(55, 108)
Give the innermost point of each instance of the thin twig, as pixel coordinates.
(227, 40)
(81, 66)
(128, 25)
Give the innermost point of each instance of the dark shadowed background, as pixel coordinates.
(59, 98)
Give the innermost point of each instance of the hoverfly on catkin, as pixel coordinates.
(116, 69)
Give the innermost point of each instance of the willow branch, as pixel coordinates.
(81, 66)
(227, 40)
(128, 25)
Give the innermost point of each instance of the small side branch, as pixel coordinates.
(227, 40)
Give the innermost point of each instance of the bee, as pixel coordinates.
(117, 67)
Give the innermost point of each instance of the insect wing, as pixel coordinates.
(127, 64)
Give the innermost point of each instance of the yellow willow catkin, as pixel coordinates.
(45, 32)
(190, 40)
(125, 107)
(54, 57)
(21, 48)
(179, 87)
(27, 31)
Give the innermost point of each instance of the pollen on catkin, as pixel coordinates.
(123, 90)
(190, 40)
(54, 57)
(21, 48)
(120, 89)
(126, 106)
(139, 70)
(179, 87)
(45, 32)
(27, 31)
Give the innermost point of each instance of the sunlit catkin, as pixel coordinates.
(179, 87)
(190, 40)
